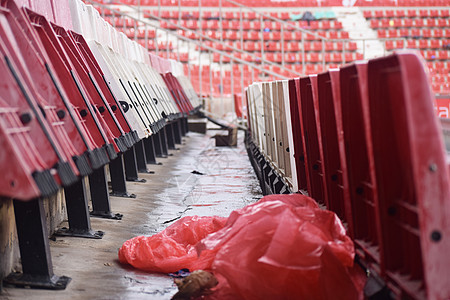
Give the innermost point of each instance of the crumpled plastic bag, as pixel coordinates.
(171, 249)
(282, 247)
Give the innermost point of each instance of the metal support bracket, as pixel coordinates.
(141, 158)
(171, 137)
(165, 147)
(150, 154)
(34, 249)
(101, 206)
(78, 213)
(131, 169)
(118, 182)
(177, 131)
(158, 145)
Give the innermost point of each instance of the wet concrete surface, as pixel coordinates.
(199, 179)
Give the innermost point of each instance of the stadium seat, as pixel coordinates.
(389, 44)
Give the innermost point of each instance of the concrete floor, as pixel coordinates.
(228, 182)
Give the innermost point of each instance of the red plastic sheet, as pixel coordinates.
(282, 247)
(173, 248)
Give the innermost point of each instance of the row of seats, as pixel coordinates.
(118, 129)
(423, 29)
(417, 44)
(282, 3)
(232, 15)
(362, 140)
(232, 39)
(290, 58)
(77, 95)
(409, 22)
(249, 25)
(439, 67)
(212, 86)
(414, 33)
(266, 36)
(410, 13)
(286, 47)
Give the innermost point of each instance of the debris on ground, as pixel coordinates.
(171, 249)
(197, 172)
(281, 247)
(180, 273)
(197, 284)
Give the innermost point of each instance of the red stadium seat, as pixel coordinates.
(290, 57)
(392, 33)
(438, 33)
(330, 124)
(385, 23)
(447, 33)
(389, 44)
(256, 25)
(398, 23)
(411, 44)
(443, 22)
(315, 57)
(284, 16)
(287, 35)
(228, 15)
(344, 35)
(382, 33)
(332, 34)
(361, 182)
(423, 13)
(294, 46)
(325, 24)
(426, 33)
(314, 25)
(442, 55)
(317, 46)
(337, 25)
(349, 57)
(423, 44)
(251, 15)
(418, 23)
(274, 14)
(434, 13)
(313, 145)
(415, 32)
(374, 23)
(411, 13)
(399, 44)
(432, 22)
(379, 13)
(400, 13)
(351, 46)
(329, 46)
(404, 33)
(430, 55)
(337, 57)
(367, 14)
(408, 22)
